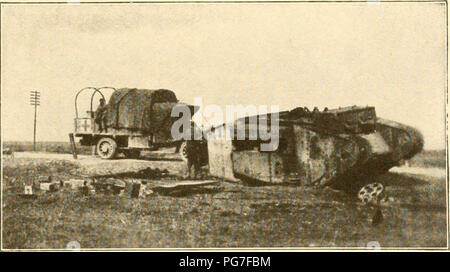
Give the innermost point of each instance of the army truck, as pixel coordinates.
(341, 147)
(136, 120)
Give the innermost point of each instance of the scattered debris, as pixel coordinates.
(109, 186)
(84, 190)
(74, 183)
(145, 191)
(185, 183)
(135, 190)
(147, 173)
(139, 184)
(44, 179)
(50, 187)
(181, 188)
(28, 190)
(28, 193)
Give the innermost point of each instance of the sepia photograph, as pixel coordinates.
(274, 126)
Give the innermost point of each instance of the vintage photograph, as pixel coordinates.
(241, 125)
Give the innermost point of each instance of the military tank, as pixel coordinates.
(342, 147)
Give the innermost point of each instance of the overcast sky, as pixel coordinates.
(391, 56)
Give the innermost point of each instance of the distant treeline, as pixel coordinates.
(52, 147)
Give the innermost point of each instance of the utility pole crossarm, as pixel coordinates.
(35, 101)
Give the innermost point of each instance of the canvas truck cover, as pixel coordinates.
(140, 109)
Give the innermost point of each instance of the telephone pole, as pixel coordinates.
(35, 97)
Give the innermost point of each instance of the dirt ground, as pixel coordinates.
(225, 215)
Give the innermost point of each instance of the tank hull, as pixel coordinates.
(318, 151)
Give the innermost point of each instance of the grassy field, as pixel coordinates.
(228, 215)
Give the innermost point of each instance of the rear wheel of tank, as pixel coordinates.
(106, 148)
(371, 193)
(367, 189)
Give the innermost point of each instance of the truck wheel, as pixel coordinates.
(106, 148)
(183, 151)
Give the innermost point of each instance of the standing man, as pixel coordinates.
(100, 115)
(195, 156)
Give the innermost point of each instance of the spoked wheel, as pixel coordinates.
(371, 193)
(106, 148)
(183, 151)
